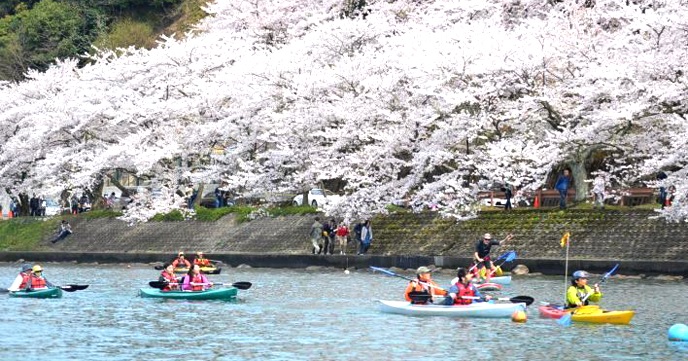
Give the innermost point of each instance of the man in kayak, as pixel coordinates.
(579, 293)
(463, 292)
(21, 279)
(195, 280)
(36, 280)
(167, 276)
(201, 260)
(420, 291)
(181, 262)
(482, 254)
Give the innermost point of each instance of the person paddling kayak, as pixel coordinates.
(195, 280)
(167, 275)
(463, 291)
(579, 293)
(36, 280)
(482, 254)
(181, 262)
(21, 279)
(423, 286)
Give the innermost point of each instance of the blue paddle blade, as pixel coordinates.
(565, 320)
(510, 257)
(611, 272)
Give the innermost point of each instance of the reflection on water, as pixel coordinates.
(324, 315)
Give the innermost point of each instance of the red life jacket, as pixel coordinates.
(181, 263)
(199, 280)
(25, 280)
(464, 290)
(37, 282)
(169, 278)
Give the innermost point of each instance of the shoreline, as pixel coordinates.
(537, 266)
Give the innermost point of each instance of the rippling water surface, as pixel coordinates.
(317, 315)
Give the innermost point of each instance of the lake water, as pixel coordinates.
(323, 315)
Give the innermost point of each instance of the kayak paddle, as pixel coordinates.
(390, 273)
(72, 288)
(517, 299)
(565, 320)
(238, 285)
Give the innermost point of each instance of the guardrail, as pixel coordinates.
(629, 197)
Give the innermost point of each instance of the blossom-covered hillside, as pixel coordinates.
(429, 101)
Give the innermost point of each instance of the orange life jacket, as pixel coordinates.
(203, 262)
(464, 290)
(37, 282)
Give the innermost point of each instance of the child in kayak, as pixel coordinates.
(167, 276)
(463, 292)
(420, 291)
(579, 293)
(195, 280)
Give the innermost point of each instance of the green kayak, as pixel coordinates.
(211, 294)
(44, 293)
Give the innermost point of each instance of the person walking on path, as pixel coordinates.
(316, 235)
(508, 193)
(562, 185)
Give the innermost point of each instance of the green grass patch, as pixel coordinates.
(100, 213)
(174, 216)
(212, 214)
(25, 233)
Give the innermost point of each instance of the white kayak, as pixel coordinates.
(501, 280)
(476, 309)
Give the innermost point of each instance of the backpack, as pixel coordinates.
(358, 228)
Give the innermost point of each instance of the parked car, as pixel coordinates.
(316, 197)
(52, 208)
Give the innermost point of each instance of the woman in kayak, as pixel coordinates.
(181, 262)
(195, 280)
(463, 291)
(21, 279)
(201, 260)
(423, 288)
(579, 293)
(167, 276)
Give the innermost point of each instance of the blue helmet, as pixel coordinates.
(580, 274)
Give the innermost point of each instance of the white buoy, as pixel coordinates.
(346, 272)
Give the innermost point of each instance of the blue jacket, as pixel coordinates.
(563, 183)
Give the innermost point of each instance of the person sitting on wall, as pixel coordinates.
(64, 231)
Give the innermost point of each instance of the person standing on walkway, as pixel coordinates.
(342, 233)
(562, 185)
(316, 235)
(508, 193)
(366, 237)
(598, 191)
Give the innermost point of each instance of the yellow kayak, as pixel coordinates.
(590, 314)
(209, 270)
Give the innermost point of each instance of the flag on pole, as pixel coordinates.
(565, 239)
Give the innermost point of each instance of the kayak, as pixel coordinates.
(476, 309)
(44, 293)
(589, 314)
(502, 280)
(227, 293)
(489, 286)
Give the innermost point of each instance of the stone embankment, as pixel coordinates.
(639, 241)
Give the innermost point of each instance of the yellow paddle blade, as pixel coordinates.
(498, 271)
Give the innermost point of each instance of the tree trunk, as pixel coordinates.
(304, 200)
(579, 175)
(96, 194)
(199, 195)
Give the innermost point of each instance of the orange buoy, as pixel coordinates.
(536, 203)
(519, 316)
